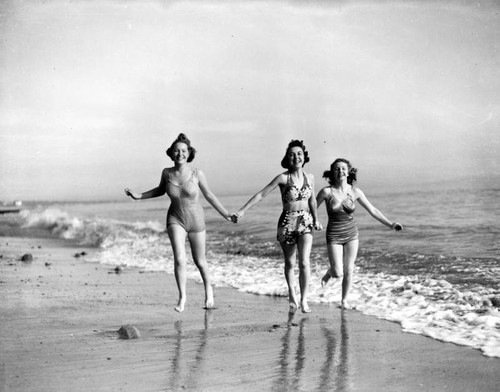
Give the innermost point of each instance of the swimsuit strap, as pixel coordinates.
(306, 181)
(194, 173)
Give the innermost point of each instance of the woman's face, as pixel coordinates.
(180, 152)
(296, 157)
(340, 171)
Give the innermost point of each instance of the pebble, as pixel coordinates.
(129, 332)
(27, 258)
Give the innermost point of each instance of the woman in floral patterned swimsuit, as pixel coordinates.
(297, 220)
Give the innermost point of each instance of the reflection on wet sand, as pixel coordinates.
(185, 366)
(334, 373)
(335, 369)
(289, 379)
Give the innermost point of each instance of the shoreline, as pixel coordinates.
(61, 314)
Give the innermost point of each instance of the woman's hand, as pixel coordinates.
(397, 226)
(229, 218)
(318, 226)
(132, 194)
(235, 216)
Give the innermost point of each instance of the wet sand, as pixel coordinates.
(60, 315)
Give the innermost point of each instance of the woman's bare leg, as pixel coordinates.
(177, 236)
(289, 252)
(304, 245)
(335, 257)
(350, 254)
(197, 241)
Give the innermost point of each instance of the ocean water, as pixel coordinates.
(440, 277)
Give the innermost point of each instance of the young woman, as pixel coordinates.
(185, 217)
(297, 220)
(342, 232)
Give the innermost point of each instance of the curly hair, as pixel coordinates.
(351, 176)
(294, 143)
(182, 139)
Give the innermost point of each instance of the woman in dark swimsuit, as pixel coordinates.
(185, 215)
(342, 232)
(297, 220)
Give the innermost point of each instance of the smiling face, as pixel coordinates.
(295, 158)
(180, 152)
(340, 171)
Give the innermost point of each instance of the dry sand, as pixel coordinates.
(60, 316)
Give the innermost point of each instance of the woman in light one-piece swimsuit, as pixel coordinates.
(185, 217)
(295, 224)
(342, 232)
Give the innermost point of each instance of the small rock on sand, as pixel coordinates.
(128, 332)
(27, 258)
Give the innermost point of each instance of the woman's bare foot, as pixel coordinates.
(180, 305)
(293, 306)
(305, 307)
(345, 305)
(209, 297)
(326, 277)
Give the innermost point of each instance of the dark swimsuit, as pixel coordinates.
(341, 227)
(185, 209)
(293, 224)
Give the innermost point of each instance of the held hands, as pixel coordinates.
(397, 226)
(235, 216)
(231, 218)
(318, 226)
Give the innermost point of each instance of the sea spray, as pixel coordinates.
(90, 232)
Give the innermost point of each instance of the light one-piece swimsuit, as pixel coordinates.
(185, 209)
(293, 224)
(341, 227)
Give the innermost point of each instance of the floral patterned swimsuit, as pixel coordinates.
(293, 224)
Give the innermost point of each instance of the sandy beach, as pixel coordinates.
(60, 315)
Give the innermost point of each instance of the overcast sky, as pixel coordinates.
(93, 92)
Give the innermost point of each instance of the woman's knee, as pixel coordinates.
(304, 264)
(180, 261)
(348, 272)
(289, 264)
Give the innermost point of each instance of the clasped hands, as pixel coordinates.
(397, 226)
(235, 217)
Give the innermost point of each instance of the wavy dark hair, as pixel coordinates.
(351, 176)
(294, 143)
(182, 139)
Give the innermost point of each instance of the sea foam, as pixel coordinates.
(430, 307)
